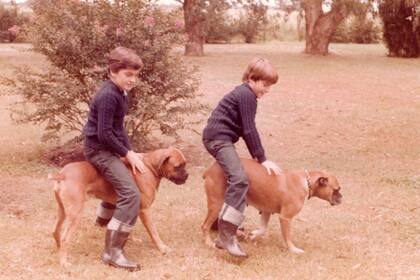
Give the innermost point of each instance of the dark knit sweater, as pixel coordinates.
(234, 117)
(105, 126)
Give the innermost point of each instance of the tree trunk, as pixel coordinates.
(194, 26)
(320, 26)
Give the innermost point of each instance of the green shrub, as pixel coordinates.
(358, 29)
(273, 29)
(218, 23)
(252, 21)
(401, 31)
(342, 33)
(365, 31)
(75, 36)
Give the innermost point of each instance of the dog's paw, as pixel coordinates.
(135, 239)
(295, 250)
(241, 234)
(210, 243)
(164, 249)
(65, 264)
(256, 233)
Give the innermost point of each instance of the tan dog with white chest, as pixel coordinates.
(77, 180)
(284, 194)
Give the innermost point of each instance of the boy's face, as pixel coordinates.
(260, 87)
(125, 79)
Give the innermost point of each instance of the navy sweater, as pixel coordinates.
(105, 126)
(234, 117)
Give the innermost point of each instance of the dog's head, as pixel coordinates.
(172, 166)
(326, 187)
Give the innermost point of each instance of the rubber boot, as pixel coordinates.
(227, 239)
(114, 253)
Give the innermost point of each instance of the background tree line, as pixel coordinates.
(75, 36)
(322, 19)
(224, 21)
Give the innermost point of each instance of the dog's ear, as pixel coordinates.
(164, 159)
(322, 181)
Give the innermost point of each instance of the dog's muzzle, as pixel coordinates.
(336, 198)
(179, 179)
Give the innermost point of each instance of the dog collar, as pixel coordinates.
(308, 181)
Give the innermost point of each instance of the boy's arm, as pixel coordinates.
(248, 110)
(106, 111)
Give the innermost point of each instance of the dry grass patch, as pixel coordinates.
(355, 113)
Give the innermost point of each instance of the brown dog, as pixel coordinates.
(284, 194)
(79, 179)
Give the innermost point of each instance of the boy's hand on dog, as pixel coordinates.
(271, 167)
(136, 162)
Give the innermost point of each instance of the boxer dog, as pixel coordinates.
(284, 194)
(77, 180)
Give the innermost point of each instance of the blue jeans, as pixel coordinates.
(237, 182)
(117, 174)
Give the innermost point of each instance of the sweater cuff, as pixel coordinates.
(122, 151)
(261, 158)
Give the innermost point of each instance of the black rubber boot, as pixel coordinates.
(101, 222)
(227, 239)
(114, 253)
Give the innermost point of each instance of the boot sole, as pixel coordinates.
(132, 269)
(223, 248)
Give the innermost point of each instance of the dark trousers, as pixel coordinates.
(116, 173)
(237, 183)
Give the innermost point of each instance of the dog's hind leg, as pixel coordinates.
(264, 218)
(61, 215)
(73, 205)
(215, 191)
(208, 222)
(213, 209)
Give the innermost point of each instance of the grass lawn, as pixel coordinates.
(354, 113)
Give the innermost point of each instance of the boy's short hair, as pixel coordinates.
(123, 58)
(260, 69)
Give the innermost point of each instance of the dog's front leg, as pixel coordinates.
(285, 230)
(146, 218)
(264, 218)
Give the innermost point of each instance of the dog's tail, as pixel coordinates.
(56, 177)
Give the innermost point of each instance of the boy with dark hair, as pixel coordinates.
(234, 117)
(106, 141)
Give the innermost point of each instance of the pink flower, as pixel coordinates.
(14, 30)
(100, 28)
(179, 23)
(119, 31)
(149, 21)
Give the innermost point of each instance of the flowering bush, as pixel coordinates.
(11, 21)
(75, 37)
